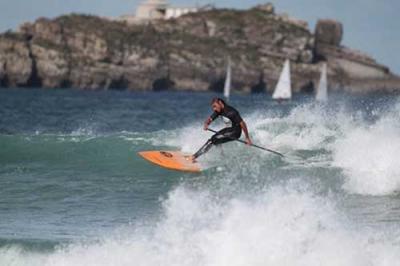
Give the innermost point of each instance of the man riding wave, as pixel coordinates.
(227, 134)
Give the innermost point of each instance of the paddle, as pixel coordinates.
(253, 145)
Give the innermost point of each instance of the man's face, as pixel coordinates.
(217, 106)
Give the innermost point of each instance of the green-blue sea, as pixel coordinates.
(73, 190)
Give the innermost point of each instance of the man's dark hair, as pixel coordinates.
(216, 99)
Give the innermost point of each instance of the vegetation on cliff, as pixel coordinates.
(190, 52)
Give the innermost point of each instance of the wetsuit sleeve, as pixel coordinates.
(214, 116)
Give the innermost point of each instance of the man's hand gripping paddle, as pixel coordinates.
(253, 145)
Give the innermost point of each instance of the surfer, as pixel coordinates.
(227, 134)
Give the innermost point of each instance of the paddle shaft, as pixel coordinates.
(253, 145)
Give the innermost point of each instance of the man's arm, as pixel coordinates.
(210, 119)
(246, 132)
(207, 123)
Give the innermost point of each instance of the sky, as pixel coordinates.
(371, 26)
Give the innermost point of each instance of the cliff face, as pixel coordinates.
(187, 53)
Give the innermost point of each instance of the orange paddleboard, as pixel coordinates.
(173, 160)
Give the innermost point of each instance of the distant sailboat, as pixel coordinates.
(322, 91)
(283, 90)
(228, 80)
(227, 87)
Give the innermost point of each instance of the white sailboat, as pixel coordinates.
(228, 80)
(283, 90)
(322, 90)
(227, 87)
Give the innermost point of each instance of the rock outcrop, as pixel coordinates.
(188, 53)
(329, 32)
(16, 62)
(359, 72)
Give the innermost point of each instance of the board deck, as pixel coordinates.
(173, 160)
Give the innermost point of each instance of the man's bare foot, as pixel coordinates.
(191, 158)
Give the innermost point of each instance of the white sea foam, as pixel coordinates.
(305, 128)
(83, 131)
(280, 226)
(190, 138)
(369, 155)
(366, 152)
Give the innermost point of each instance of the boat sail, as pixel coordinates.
(283, 90)
(228, 80)
(322, 91)
(227, 88)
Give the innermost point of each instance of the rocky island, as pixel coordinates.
(185, 53)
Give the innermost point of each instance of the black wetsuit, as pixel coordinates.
(227, 134)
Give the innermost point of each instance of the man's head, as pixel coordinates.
(217, 104)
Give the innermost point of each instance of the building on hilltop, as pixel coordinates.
(151, 9)
(175, 12)
(157, 9)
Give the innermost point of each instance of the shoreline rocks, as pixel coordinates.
(187, 53)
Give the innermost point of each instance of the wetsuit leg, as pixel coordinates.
(226, 135)
(223, 136)
(205, 148)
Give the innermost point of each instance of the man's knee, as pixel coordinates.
(217, 139)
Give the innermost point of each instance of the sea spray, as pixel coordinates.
(281, 226)
(70, 177)
(368, 155)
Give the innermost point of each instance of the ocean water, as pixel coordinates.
(74, 192)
